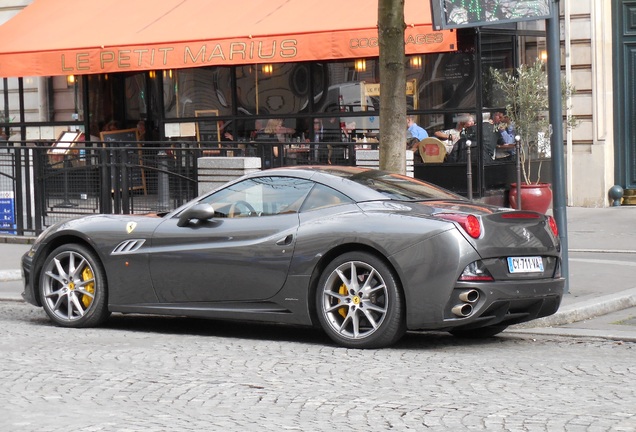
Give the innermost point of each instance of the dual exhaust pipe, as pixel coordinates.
(468, 298)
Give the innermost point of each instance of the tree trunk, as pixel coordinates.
(393, 86)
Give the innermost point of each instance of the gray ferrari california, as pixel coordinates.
(365, 254)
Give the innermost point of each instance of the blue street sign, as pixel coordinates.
(7, 213)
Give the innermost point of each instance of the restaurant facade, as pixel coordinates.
(219, 81)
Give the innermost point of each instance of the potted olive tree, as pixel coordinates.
(525, 94)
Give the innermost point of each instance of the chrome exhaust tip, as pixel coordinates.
(469, 296)
(462, 310)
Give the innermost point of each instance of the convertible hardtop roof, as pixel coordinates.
(364, 184)
(340, 178)
(337, 170)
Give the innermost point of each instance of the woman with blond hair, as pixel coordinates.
(274, 132)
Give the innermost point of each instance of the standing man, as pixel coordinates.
(415, 130)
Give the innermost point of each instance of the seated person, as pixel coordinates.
(451, 136)
(325, 131)
(415, 130)
(505, 130)
(274, 132)
(489, 140)
(504, 127)
(412, 144)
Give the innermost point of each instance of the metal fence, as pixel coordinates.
(42, 184)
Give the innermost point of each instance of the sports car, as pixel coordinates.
(365, 254)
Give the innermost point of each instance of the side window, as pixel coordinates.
(322, 196)
(264, 196)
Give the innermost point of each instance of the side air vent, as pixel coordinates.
(128, 246)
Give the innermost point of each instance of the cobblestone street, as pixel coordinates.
(157, 374)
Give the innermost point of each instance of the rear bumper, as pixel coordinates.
(497, 303)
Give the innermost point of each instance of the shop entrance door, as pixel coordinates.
(625, 92)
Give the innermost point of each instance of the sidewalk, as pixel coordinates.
(602, 276)
(602, 263)
(602, 268)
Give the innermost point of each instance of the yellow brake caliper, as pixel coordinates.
(342, 291)
(87, 274)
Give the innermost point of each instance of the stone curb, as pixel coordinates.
(584, 310)
(10, 275)
(9, 239)
(616, 335)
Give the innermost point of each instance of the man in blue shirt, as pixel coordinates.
(415, 130)
(504, 127)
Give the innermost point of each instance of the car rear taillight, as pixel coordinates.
(476, 271)
(553, 226)
(470, 223)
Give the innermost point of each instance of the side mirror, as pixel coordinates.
(201, 211)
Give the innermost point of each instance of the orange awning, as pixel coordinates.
(63, 37)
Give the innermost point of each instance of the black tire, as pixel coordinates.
(479, 333)
(359, 303)
(73, 287)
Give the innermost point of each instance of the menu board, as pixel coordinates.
(125, 137)
(474, 13)
(64, 143)
(62, 150)
(208, 130)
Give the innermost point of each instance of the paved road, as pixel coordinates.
(158, 374)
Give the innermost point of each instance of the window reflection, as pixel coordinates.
(497, 53)
(345, 89)
(283, 90)
(190, 90)
(443, 81)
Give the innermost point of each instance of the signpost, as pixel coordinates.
(449, 14)
(475, 13)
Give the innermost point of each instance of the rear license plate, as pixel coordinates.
(525, 265)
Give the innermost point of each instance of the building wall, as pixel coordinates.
(587, 54)
(9, 8)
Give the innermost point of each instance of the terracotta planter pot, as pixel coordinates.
(535, 197)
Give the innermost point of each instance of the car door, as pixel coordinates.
(242, 254)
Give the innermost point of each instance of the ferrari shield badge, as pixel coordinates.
(130, 227)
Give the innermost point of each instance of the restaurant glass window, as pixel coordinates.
(112, 93)
(272, 89)
(275, 91)
(504, 52)
(532, 49)
(352, 90)
(187, 91)
(136, 96)
(497, 52)
(444, 81)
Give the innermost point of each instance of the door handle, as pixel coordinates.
(285, 240)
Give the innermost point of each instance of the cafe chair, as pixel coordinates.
(432, 150)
